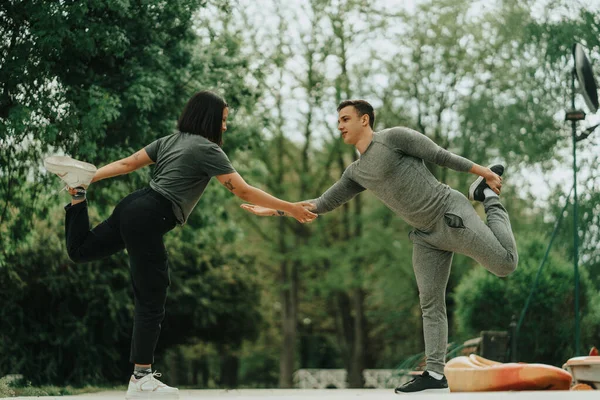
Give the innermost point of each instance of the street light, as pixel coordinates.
(582, 71)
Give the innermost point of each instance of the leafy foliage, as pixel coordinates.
(100, 79)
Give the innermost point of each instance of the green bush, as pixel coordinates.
(5, 389)
(486, 302)
(11, 386)
(62, 322)
(65, 323)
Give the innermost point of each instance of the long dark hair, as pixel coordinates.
(203, 115)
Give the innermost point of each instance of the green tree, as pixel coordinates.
(95, 79)
(100, 80)
(555, 38)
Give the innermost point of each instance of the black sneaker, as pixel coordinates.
(477, 187)
(424, 383)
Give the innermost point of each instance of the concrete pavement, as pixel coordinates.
(339, 394)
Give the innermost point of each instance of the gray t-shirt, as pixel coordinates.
(184, 165)
(392, 168)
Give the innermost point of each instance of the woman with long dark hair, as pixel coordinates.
(185, 163)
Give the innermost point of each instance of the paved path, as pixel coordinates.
(339, 394)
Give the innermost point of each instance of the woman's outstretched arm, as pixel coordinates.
(238, 186)
(123, 166)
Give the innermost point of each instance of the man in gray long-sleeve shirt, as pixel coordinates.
(391, 165)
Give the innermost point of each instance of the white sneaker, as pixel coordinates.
(74, 173)
(149, 387)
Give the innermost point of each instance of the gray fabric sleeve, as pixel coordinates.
(215, 162)
(152, 150)
(418, 145)
(339, 193)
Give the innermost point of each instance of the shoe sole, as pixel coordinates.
(426, 391)
(151, 396)
(58, 164)
(475, 184)
(62, 165)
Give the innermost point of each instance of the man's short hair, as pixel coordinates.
(362, 107)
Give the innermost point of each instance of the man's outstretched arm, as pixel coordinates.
(418, 145)
(339, 193)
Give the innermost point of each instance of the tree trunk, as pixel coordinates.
(357, 362)
(350, 304)
(289, 317)
(196, 370)
(229, 370)
(176, 367)
(205, 373)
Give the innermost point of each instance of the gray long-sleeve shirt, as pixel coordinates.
(392, 168)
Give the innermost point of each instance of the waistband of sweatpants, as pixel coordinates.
(161, 199)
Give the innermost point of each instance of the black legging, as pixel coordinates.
(138, 223)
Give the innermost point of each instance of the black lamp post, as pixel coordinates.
(582, 72)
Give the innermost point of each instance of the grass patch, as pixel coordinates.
(18, 387)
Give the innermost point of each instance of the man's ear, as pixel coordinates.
(364, 120)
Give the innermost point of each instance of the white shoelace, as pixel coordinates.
(155, 375)
(57, 192)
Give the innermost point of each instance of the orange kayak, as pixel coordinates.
(477, 374)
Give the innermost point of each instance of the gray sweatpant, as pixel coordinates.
(459, 230)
